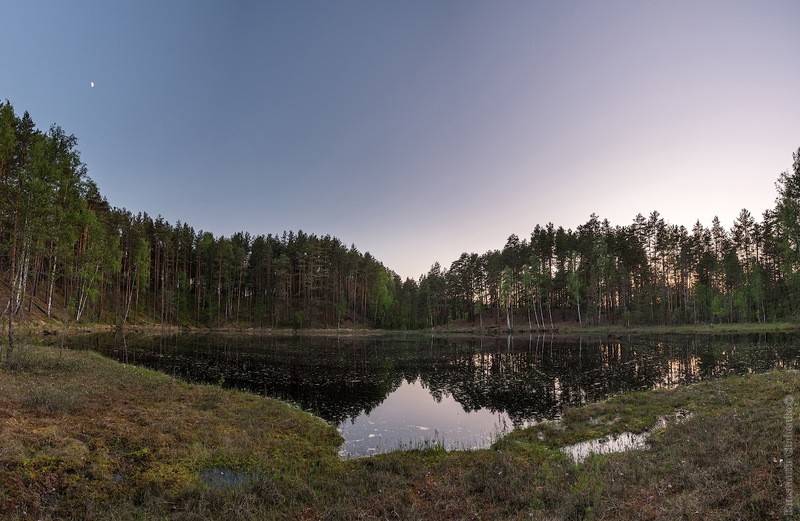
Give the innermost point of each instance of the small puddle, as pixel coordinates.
(607, 444)
(224, 478)
(624, 441)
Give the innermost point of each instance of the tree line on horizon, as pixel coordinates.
(67, 252)
(648, 272)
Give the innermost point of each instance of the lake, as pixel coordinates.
(390, 392)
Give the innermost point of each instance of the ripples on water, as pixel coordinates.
(386, 393)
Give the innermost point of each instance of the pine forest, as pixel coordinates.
(66, 253)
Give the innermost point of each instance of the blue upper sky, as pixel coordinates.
(416, 130)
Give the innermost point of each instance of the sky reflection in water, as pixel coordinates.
(411, 417)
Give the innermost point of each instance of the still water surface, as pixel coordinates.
(385, 393)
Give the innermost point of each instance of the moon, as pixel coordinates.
(91, 84)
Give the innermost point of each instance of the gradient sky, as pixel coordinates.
(416, 130)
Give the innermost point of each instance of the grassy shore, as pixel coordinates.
(35, 329)
(618, 330)
(82, 436)
(690, 329)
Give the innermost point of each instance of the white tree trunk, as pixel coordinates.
(51, 286)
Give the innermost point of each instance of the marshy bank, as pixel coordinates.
(83, 436)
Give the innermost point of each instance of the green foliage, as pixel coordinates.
(298, 319)
(383, 294)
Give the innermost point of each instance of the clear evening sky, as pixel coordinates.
(416, 130)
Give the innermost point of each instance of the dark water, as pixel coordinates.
(389, 392)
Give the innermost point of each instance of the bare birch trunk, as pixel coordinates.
(10, 346)
(51, 285)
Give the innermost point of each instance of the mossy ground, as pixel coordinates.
(85, 437)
